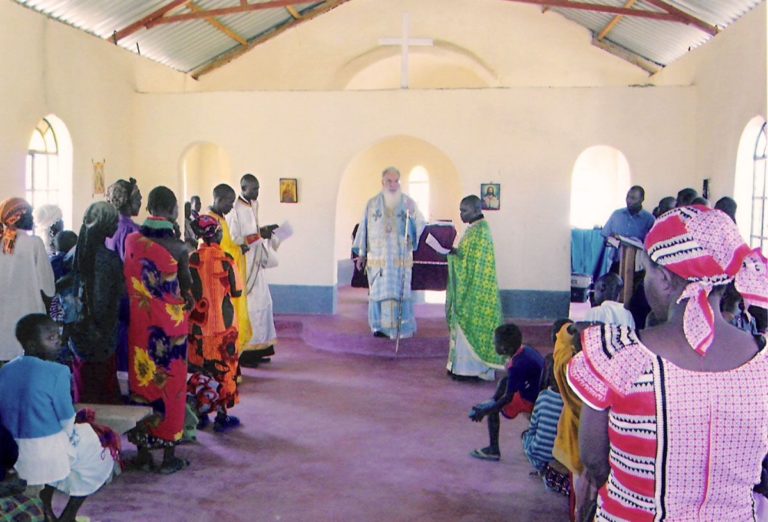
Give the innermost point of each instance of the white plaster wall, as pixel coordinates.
(528, 139)
(88, 83)
(519, 43)
(729, 75)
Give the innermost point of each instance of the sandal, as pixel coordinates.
(177, 464)
(483, 454)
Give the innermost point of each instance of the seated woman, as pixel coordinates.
(36, 407)
(680, 411)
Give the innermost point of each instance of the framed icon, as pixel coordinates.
(289, 192)
(490, 196)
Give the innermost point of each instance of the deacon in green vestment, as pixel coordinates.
(473, 308)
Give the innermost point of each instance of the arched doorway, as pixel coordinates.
(599, 183)
(203, 166)
(362, 180)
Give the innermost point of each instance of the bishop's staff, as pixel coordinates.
(402, 279)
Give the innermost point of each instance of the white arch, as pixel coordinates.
(599, 183)
(203, 165)
(362, 180)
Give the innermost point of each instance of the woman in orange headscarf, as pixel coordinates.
(25, 272)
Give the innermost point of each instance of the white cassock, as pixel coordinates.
(243, 221)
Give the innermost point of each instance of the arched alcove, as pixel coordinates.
(442, 66)
(744, 176)
(362, 180)
(599, 183)
(203, 166)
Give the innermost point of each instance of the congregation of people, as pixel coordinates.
(179, 312)
(651, 408)
(648, 409)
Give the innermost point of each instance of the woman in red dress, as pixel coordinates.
(157, 276)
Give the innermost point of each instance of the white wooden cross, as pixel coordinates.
(404, 43)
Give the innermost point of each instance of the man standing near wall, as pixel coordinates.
(473, 307)
(386, 250)
(259, 246)
(632, 221)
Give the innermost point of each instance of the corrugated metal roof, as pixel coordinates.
(660, 41)
(193, 45)
(183, 46)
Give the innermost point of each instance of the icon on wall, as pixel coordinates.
(490, 196)
(289, 192)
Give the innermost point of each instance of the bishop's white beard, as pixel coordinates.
(391, 199)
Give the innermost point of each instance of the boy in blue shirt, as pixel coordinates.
(36, 408)
(516, 393)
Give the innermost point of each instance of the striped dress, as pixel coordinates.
(684, 445)
(540, 437)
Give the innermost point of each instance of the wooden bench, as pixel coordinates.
(120, 418)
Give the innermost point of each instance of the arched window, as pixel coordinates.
(758, 226)
(599, 185)
(42, 181)
(48, 178)
(418, 189)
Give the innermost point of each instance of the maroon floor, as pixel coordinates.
(335, 436)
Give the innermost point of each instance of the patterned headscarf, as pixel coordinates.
(119, 192)
(11, 211)
(205, 227)
(704, 247)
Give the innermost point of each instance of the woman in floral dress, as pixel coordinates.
(158, 281)
(213, 336)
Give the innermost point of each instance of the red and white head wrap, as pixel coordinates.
(704, 247)
(11, 211)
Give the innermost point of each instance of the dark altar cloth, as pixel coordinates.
(430, 269)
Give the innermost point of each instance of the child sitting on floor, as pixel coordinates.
(607, 309)
(539, 438)
(36, 407)
(515, 393)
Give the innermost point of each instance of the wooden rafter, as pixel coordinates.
(293, 12)
(228, 56)
(613, 23)
(242, 8)
(138, 24)
(218, 25)
(584, 6)
(685, 17)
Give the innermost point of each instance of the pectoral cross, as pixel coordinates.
(405, 42)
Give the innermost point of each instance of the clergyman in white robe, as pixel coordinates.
(243, 222)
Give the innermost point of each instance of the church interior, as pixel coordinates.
(563, 107)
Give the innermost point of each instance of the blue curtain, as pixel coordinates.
(588, 253)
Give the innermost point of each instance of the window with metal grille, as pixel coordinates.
(758, 228)
(43, 183)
